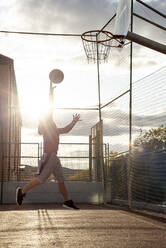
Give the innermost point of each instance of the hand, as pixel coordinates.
(76, 117)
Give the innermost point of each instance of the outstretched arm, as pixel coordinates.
(67, 129)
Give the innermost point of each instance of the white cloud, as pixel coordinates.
(58, 16)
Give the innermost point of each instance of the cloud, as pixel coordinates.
(155, 120)
(138, 63)
(64, 117)
(119, 147)
(61, 15)
(116, 122)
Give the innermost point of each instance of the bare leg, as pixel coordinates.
(30, 185)
(35, 182)
(63, 191)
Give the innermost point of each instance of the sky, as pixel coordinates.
(35, 56)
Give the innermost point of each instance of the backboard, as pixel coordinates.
(123, 17)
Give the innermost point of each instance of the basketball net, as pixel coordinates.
(97, 44)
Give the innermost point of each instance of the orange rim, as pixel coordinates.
(109, 34)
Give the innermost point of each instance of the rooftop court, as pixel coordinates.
(49, 225)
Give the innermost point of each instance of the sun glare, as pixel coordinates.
(34, 110)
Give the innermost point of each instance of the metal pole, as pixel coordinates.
(2, 169)
(2, 150)
(90, 157)
(146, 42)
(130, 113)
(98, 78)
(131, 79)
(10, 122)
(100, 126)
(101, 159)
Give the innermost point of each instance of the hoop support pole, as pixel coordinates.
(146, 42)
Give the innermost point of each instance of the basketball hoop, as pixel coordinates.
(97, 44)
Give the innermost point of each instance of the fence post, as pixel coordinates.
(2, 171)
(130, 114)
(101, 158)
(90, 157)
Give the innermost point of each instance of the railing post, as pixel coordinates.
(90, 157)
(2, 171)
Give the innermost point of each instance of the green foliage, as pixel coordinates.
(152, 140)
(113, 155)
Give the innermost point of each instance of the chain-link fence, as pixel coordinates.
(138, 175)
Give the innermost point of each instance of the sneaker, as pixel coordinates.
(19, 196)
(69, 204)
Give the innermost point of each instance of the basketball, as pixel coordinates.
(56, 76)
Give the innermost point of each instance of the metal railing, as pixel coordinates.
(75, 159)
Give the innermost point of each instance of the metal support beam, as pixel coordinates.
(130, 115)
(108, 22)
(153, 23)
(98, 79)
(149, 7)
(146, 42)
(115, 99)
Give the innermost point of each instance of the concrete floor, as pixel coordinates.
(49, 225)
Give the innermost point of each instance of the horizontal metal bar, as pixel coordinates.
(18, 143)
(19, 157)
(79, 143)
(153, 23)
(15, 143)
(34, 33)
(149, 7)
(73, 143)
(78, 108)
(75, 157)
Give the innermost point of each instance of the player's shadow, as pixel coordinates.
(48, 230)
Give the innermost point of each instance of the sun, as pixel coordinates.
(33, 109)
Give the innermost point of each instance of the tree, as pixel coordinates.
(113, 155)
(152, 140)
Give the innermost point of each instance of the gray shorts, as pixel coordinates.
(52, 166)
